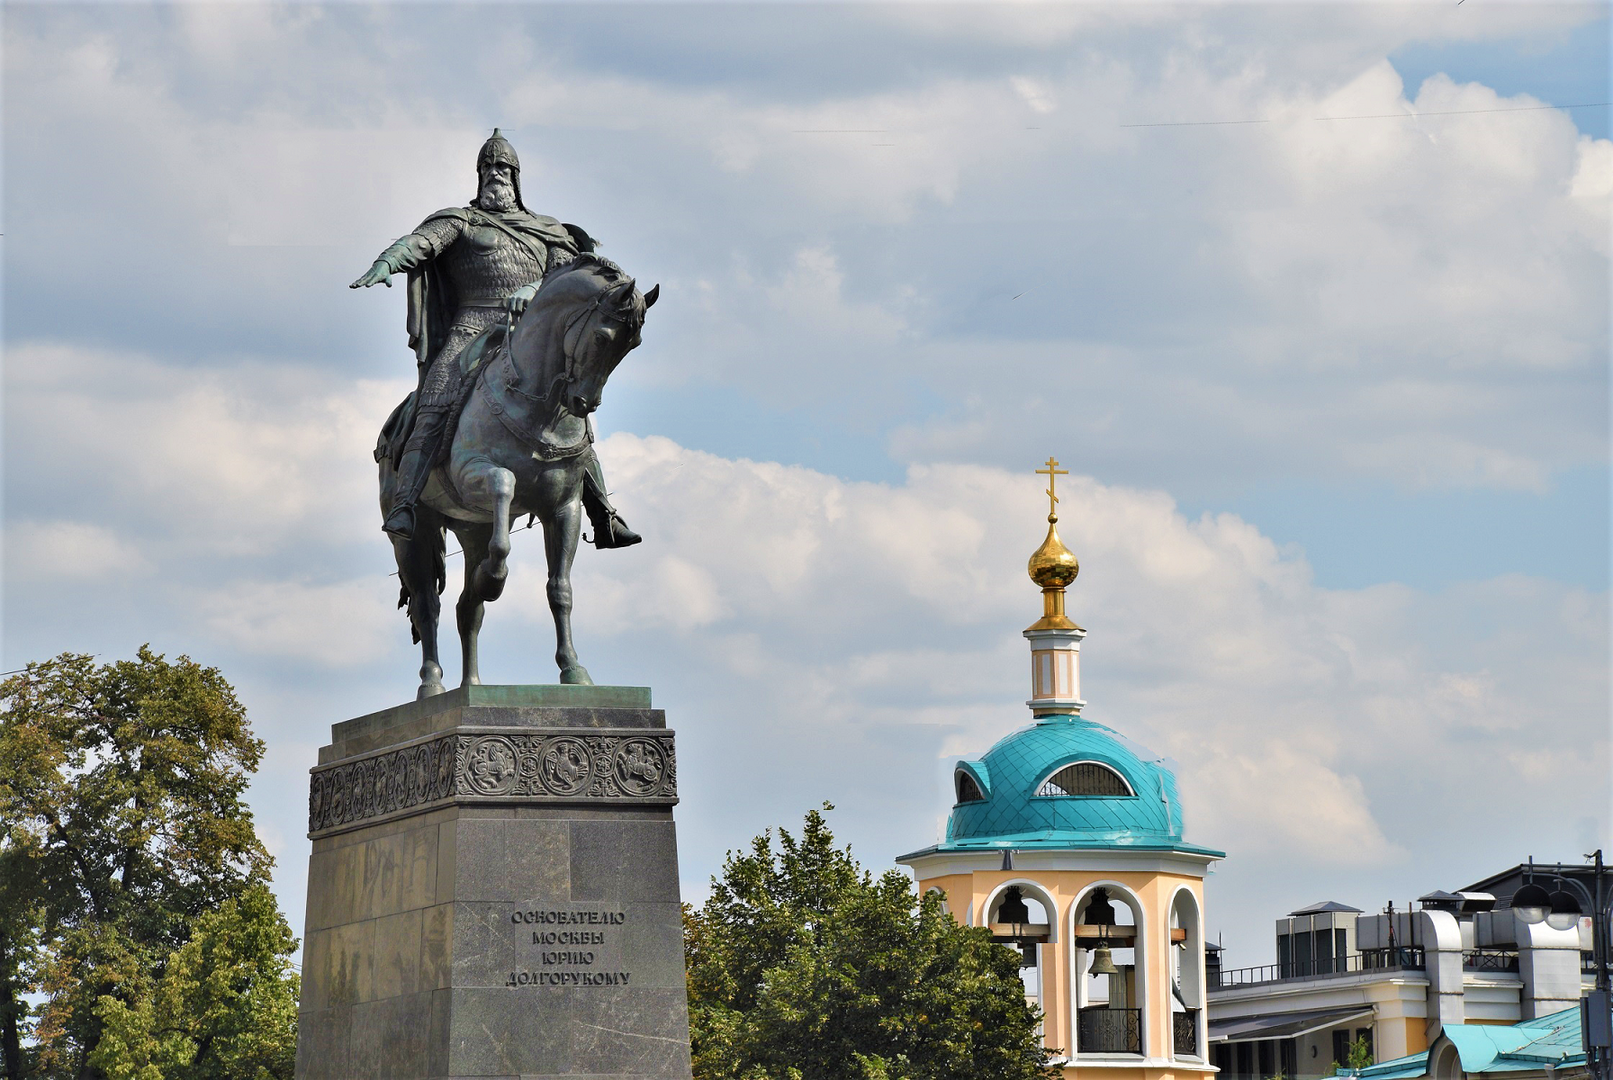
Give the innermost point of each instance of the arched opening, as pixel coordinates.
(1110, 978)
(967, 789)
(1187, 976)
(941, 895)
(1020, 915)
(1092, 778)
(1447, 1062)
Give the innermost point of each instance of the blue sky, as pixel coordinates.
(1334, 392)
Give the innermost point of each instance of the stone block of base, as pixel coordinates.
(493, 891)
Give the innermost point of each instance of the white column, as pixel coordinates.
(1055, 671)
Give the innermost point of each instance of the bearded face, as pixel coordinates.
(498, 188)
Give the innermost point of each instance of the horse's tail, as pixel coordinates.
(428, 546)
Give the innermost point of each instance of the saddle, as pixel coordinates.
(476, 357)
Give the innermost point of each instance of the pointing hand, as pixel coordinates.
(379, 274)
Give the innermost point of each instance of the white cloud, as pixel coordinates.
(71, 550)
(336, 626)
(245, 459)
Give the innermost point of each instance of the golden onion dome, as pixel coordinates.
(1053, 566)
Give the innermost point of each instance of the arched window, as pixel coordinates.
(968, 790)
(1085, 778)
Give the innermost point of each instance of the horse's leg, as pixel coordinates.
(473, 540)
(493, 487)
(560, 545)
(418, 560)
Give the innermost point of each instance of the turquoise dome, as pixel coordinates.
(1125, 797)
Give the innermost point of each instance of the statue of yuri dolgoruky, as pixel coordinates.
(515, 323)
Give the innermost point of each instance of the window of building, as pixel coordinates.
(1085, 778)
(968, 790)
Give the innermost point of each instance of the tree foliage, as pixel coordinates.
(803, 966)
(225, 1005)
(122, 823)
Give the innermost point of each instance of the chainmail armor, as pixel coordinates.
(486, 265)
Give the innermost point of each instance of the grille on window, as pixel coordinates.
(968, 790)
(1085, 778)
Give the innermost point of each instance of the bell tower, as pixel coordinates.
(1065, 841)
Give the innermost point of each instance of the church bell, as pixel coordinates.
(1102, 962)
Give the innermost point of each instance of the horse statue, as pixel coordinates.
(521, 446)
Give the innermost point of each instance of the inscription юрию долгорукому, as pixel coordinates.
(564, 956)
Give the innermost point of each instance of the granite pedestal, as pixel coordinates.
(493, 892)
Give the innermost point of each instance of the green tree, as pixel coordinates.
(224, 1008)
(803, 966)
(121, 792)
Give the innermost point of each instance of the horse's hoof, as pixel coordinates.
(488, 585)
(575, 675)
(429, 690)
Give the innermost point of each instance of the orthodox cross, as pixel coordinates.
(1052, 472)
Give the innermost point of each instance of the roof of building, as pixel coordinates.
(1532, 1046)
(1394, 1069)
(1013, 814)
(1322, 907)
(1502, 885)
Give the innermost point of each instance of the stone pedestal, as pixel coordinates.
(493, 891)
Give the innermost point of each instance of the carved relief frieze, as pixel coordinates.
(473, 768)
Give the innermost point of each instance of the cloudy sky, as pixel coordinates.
(1313, 299)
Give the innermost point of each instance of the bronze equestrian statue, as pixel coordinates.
(516, 323)
(462, 263)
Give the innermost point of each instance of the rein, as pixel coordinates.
(494, 391)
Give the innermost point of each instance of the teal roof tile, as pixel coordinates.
(1013, 815)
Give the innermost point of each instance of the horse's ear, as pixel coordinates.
(652, 296)
(605, 334)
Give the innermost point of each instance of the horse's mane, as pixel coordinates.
(612, 277)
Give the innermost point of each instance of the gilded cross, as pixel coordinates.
(1052, 472)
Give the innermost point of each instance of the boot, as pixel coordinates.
(610, 531)
(413, 471)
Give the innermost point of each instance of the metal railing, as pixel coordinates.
(1403, 958)
(1185, 1033)
(1490, 960)
(1102, 1030)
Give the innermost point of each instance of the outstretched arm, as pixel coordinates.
(420, 246)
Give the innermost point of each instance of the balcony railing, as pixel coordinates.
(1102, 1030)
(1403, 958)
(1185, 1033)
(1490, 960)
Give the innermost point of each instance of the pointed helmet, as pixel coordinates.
(497, 150)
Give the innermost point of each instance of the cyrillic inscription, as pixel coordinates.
(561, 962)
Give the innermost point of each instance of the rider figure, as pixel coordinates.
(462, 263)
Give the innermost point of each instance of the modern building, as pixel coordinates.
(1401, 980)
(1066, 840)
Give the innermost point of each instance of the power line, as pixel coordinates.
(1466, 112)
(1381, 116)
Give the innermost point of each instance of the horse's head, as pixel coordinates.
(586, 316)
